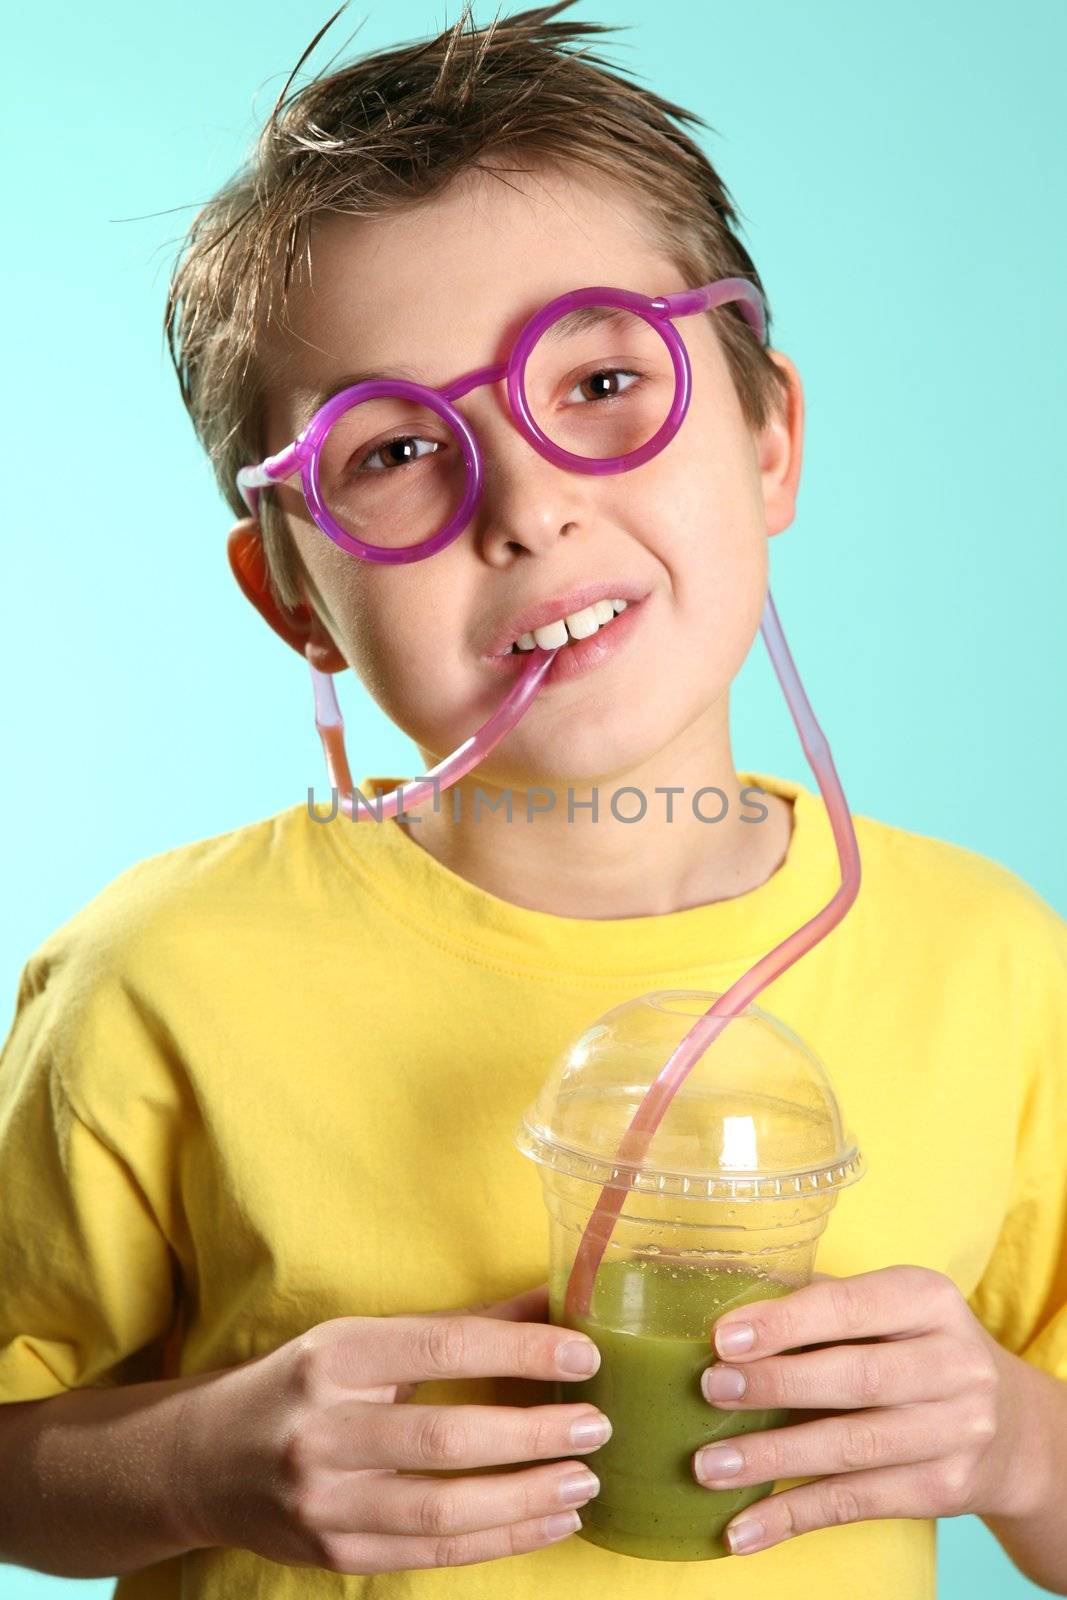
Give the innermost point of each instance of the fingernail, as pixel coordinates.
(561, 1524)
(578, 1488)
(580, 1355)
(735, 1339)
(745, 1536)
(590, 1431)
(723, 1383)
(719, 1461)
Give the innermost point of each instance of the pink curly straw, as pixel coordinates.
(740, 994)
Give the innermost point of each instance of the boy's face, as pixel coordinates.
(443, 289)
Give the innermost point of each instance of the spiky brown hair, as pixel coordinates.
(387, 131)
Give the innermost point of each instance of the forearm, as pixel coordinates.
(90, 1484)
(1036, 1540)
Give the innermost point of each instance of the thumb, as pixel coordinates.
(529, 1305)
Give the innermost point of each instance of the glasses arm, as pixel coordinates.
(723, 292)
(275, 469)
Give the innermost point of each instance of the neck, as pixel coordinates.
(553, 856)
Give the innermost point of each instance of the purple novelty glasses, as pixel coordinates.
(598, 381)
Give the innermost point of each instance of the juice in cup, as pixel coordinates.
(724, 1203)
(642, 1320)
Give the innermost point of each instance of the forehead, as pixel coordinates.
(445, 285)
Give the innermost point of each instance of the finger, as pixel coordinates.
(416, 1349)
(892, 1372)
(357, 1435)
(364, 1553)
(437, 1507)
(529, 1305)
(893, 1302)
(931, 1489)
(859, 1441)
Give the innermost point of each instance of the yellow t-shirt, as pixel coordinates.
(273, 1077)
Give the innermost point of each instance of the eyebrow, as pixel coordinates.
(585, 317)
(349, 382)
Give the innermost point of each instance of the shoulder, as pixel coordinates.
(922, 863)
(163, 894)
(932, 891)
(105, 990)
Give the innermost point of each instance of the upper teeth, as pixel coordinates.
(578, 625)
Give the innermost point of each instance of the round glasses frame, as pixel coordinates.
(302, 456)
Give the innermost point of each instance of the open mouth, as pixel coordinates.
(577, 651)
(579, 625)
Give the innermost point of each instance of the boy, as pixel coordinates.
(266, 1245)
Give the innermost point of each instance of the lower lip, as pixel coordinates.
(579, 655)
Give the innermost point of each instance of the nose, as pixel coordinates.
(527, 502)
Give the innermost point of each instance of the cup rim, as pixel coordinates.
(751, 1186)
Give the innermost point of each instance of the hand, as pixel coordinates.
(933, 1407)
(309, 1456)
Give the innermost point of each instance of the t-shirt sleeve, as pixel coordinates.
(1022, 1295)
(87, 1275)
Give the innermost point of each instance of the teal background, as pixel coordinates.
(900, 169)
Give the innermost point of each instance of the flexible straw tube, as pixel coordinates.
(733, 1002)
(650, 1112)
(331, 726)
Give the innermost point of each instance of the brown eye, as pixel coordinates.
(605, 384)
(398, 453)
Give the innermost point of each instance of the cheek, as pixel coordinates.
(714, 550)
(713, 540)
(371, 620)
(406, 647)
(397, 643)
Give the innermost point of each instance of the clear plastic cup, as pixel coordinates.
(726, 1207)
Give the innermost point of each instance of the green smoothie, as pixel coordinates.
(651, 1320)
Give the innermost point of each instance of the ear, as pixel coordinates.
(300, 627)
(780, 447)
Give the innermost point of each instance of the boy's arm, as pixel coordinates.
(91, 1481)
(1037, 1543)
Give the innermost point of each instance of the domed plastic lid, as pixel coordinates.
(755, 1118)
